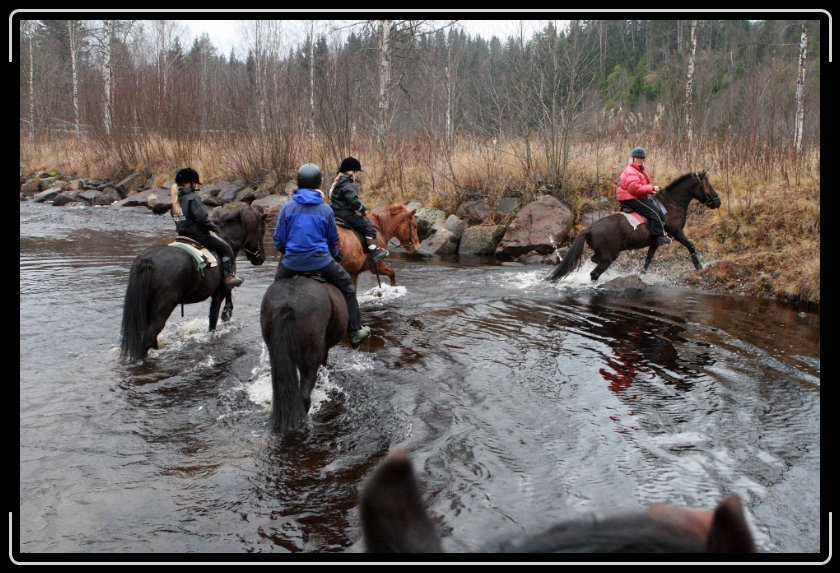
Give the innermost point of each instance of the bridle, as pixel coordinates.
(237, 246)
(703, 179)
(409, 244)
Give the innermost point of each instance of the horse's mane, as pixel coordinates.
(680, 179)
(385, 214)
(250, 219)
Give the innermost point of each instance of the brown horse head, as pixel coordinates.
(398, 221)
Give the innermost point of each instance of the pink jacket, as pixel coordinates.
(635, 184)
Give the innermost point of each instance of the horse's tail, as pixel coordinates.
(572, 259)
(135, 319)
(287, 409)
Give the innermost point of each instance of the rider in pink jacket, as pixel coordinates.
(634, 192)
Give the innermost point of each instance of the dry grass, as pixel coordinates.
(764, 240)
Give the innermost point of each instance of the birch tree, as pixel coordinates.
(800, 86)
(75, 30)
(690, 78)
(384, 86)
(27, 29)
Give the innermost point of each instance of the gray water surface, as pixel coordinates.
(521, 402)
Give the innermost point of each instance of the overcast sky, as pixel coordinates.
(226, 34)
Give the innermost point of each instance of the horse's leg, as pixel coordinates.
(649, 256)
(603, 260)
(215, 304)
(386, 269)
(227, 311)
(683, 240)
(308, 376)
(160, 314)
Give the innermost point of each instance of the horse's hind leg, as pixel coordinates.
(308, 377)
(603, 261)
(160, 314)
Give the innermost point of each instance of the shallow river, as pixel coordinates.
(521, 402)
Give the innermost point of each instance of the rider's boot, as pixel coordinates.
(230, 280)
(376, 253)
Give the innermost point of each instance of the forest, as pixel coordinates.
(438, 115)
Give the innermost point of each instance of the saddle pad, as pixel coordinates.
(203, 257)
(634, 218)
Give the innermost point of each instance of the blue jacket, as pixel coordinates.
(306, 233)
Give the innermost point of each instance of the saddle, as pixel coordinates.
(314, 275)
(202, 255)
(635, 219)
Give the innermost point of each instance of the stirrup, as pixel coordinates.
(378, 254)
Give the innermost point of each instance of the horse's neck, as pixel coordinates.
(677, 197)
(384, 225)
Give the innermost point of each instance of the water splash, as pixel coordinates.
(382, 295)
(259, 389)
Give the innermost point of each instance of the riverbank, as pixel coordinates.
(763, 241)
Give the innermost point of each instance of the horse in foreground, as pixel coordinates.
(163, 277)
(609, 236)
(395, 521)
(394, 221)
(301, 319)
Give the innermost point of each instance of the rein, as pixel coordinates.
(236, 245)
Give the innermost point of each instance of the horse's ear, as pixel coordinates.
(411, 213)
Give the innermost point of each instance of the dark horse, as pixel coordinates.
(163, 277)
(394, 520)
(613, 234)
(301, 319)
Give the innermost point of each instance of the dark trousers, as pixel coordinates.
(335, 274)
(217, 245)
(647, 209)
(360, 224)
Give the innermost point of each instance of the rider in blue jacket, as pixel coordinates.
(307, 237)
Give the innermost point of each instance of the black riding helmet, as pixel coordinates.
(309, 176)
(187, 175)
(638, 152)
(350, 164)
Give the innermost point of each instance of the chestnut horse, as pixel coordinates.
(394, 221)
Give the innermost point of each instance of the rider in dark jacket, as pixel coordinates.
(345, 201)
(192, 220)
(308, 239)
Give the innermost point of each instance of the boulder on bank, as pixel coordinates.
(474, 212)
(271, 205)
(429, 221)
(47, 195)
(443, 242)
(141, 199)
(589, 217)
(538, 226)
(481, 240)
(455, 226)
(133, 183)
